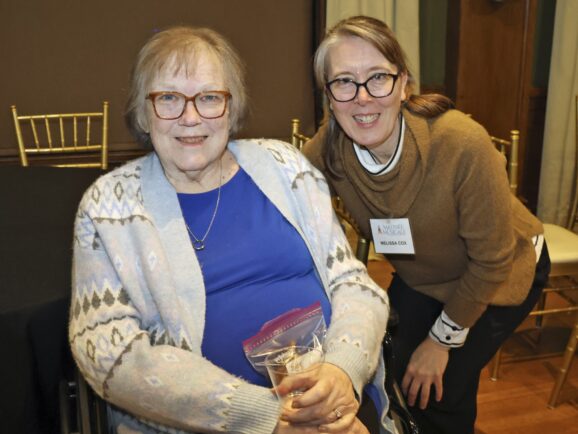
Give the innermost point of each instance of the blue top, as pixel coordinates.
(255, 266)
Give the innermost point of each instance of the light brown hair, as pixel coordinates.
(378, 34)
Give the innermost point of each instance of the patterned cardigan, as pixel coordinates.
(138, 297)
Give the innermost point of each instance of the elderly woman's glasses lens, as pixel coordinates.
(171, 105)
(378, 86)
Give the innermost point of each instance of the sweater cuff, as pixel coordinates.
(254, 410)
(353, 361)
(463, 311)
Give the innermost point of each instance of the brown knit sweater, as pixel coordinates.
(472, 237)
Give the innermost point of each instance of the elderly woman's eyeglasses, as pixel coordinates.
(378, 86)
(171, 105)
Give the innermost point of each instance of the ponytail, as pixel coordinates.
(429, 105)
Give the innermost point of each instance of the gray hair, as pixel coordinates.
(179, 47)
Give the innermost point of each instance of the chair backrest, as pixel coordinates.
(509, 148)
(297, 139)
(65, 135)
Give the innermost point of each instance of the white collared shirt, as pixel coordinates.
(372, 164)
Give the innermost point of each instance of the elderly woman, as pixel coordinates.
(182, 254)
(426, 183)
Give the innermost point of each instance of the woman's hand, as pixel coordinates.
(286, 428)
(328, 401)
(425, 369)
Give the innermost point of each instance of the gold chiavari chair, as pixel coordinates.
(562, 245)
(509, 149)
(62, 139)
(297, 139)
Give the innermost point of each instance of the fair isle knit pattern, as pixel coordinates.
(138, 297)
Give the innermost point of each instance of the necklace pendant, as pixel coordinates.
(198, 245)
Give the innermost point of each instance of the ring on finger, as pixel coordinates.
(338, 414)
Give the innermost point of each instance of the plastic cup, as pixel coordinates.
(292, 361)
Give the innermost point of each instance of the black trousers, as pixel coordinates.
(368, 415)
(456, 412)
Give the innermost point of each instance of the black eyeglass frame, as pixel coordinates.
(364, 84)
(152, 95)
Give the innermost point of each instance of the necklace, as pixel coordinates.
(387, 157)
(199, 244)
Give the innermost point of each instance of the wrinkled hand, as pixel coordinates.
(327, 389)
(286, 428)
(426, 368)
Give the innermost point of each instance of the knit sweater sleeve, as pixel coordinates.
(483, 201)
(359, 307)
(126, 356)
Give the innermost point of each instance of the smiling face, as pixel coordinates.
(368, 121)
(189, 147)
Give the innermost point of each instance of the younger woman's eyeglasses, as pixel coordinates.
(378, 85)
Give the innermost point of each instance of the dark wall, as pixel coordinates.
(70, 55)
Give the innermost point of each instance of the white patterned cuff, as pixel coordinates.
(447, 333)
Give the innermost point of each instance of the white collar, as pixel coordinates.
(370, 162)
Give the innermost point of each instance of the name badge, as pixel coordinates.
(392, 236)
